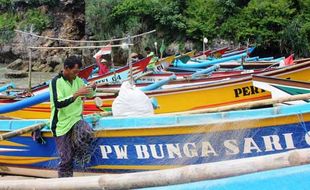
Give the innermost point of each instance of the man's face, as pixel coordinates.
(72, 73)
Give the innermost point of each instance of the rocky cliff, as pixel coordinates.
(67, 21)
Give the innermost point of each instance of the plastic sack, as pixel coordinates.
(131, 102)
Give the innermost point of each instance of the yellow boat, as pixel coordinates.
(191, 98)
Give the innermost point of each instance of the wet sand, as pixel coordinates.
(36, 78)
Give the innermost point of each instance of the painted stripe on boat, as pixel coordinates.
(24, 159)
(136, 167)
(10, 143)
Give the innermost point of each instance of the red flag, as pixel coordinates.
(85, 73)
(104, 51)
(289, 60)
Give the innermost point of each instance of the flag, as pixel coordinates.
(104, 51)
(162, 47)
(289, 60)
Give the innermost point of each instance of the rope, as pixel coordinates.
(302, 122)
(78, 47)
(83, 41)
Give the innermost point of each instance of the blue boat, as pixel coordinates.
(164, 141)
(284, 179)
(179, 63)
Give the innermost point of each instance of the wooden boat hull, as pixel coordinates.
(190, 98)
(160, 142)
(282, 87)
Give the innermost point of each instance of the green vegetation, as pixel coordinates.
(23, 19)
(7, 24)
(281, 26)
(277, 25)
(36, 18)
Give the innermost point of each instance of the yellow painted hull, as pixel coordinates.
(191, 98)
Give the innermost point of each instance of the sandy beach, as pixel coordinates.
(36, 78)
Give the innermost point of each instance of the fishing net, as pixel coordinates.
(83, 139)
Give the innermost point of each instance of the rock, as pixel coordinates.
(47, 69)
(43, 9)
(18, 74)
(35, 66)
(25, 67)
(6, 55)
(54, 61)
(41, 67)
(58, 68)
(15, 65)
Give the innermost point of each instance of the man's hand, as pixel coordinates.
(93, 85)
(81, 92)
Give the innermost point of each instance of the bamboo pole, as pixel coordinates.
(187, 174)
(83, 41)
(22, 131)
(246, 105)
(76, 47)
(107, 90)
(30, 69)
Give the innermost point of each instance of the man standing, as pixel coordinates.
(71, 132)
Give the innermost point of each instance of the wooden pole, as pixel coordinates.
(30, 69)
(203, 44)
(186, 174)
(22, 131)
(29, 41)
(131, 80)
(83, 41)
(107, 90)
(112, 63)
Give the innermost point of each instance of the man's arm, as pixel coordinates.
(59, 102)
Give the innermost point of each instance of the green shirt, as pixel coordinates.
(65, 111)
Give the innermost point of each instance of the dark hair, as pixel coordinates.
(71, 61)
(147, 49)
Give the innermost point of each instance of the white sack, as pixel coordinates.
(131, 102)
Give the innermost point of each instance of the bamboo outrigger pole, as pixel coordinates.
(22, 131)
(181, 175)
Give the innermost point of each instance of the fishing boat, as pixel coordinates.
(163, 141)
(165, 63)
(217, 94)
(282, 87)
(118, 75)
(211, 75)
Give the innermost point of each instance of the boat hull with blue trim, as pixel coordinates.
(160, 142)
(207, 95)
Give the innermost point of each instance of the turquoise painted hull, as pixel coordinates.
(179, 63)
(160, 142)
